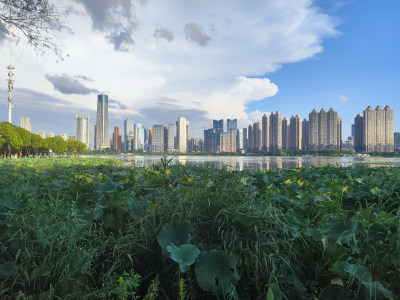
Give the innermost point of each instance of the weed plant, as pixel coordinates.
(87, 229)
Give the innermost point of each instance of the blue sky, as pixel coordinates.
(362, 63)
(159, 60)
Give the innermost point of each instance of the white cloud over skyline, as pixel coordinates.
(203, 56)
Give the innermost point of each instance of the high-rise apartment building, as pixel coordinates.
(324, 130)
(313, 130)
(116, 139)
(231, 124)
(378, 129)
(305, 134)
(397, 141)
(295, 133)
(50, 134)
(218, 125)
(101, 129)
(239, 140)
(245, 139)
(211, 137)
(41, 133)
(358, 133)
(139, 137)
(265, 132)
(64, 136)
(275, 131)
(285, 133)
(82, 130)
(257, 131)
(25, 124)
(157, 138)
(181, 137)
(170, 146)
(250, 132)
(129, 126)
(72, 137)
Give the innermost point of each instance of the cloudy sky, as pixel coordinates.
(158, 60)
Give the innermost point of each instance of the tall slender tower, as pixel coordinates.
(102, 137)
(10, 88)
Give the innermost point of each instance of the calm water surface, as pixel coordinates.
(262, 162)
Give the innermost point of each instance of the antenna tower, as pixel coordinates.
(10, 88)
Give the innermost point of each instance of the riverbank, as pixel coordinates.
(92, 228)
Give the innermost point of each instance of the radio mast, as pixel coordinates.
(10, 88)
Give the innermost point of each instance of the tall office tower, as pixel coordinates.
(353, 131)
(295, 133)
(323, 129)
(313, 130)
(181, 141)
(232, 140)
(275, 131)
(139, 140)
(157, 138)
(339, 136)
(358, 133)
(149, 138)
(219, 125)
(257, 136)
(129, 126)
(250, 132)
(211, 140)
(117, 139)
(380, 129)
(239, 140)
(389, 129)
(64, 136)
(285, 133)
(305, 134)
(231, 124)
(187, 132)
(25, 124)
(333, 130)
(369, 129)
(265, 132)
(146, 135)
(82, 129)
(245, 139)
(102, 137)
(50, 134)
(170, 138)
(397, 141)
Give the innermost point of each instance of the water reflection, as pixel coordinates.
(260, 162)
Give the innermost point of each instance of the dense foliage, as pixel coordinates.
(18, 141)
(96, 229)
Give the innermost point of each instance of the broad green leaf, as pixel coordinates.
(172, 233)
(106, 187)
(216, 273)
(185, 255)
(8, 201)
(8, 269)
(245, 219)
(274, 293)
(315, 234)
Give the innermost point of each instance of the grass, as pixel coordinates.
(87, 229)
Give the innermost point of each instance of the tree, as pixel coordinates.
(37, 21)
(57, 145)
(76, 147)
(36, 143)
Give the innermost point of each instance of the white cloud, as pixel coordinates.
(242, 40)
(343, 98)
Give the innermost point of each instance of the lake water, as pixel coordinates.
(262, 162)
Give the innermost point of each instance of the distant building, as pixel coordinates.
(72, 137)
(285, 133)
(265, 132)
(117, 139)
(239, 141)
(245, 139)
(275, 131)
(218, 125)
(157, 138)
(101, 128)
(50, 134)
(378, 129)
(64, 136)
(82, 129)
(181, 136)
(231, 124)
(25, 124)
(129, 126)
(359, 133)
(397, 141)
(211, 137)
(41, 133)
(170, 138)
(324, 130)
(295, 133)
(305, 134)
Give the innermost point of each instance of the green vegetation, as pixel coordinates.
(20, 142)
(98, 229)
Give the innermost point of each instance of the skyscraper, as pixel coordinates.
(333, 130)
(313, 130)
(305, 134)
(82, 129)
(117, 139)
(239, 140)
(170, 137)
(275, 131)
(397, 141)
(218, 125)
(250, 145)
(139, 139)
(129, 126)
(295, 133)
(257, 136)
(285, 133)
(181, 134)
(102, 136)
(378, 128)
(231, 124)
(25, 124)
(389, 129)
(157, 138)
(211, 140)
(358, 133)
(265, 132)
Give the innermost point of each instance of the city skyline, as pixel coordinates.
(319, 63)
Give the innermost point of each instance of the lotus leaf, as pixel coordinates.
(185, 255)
(171, 233)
